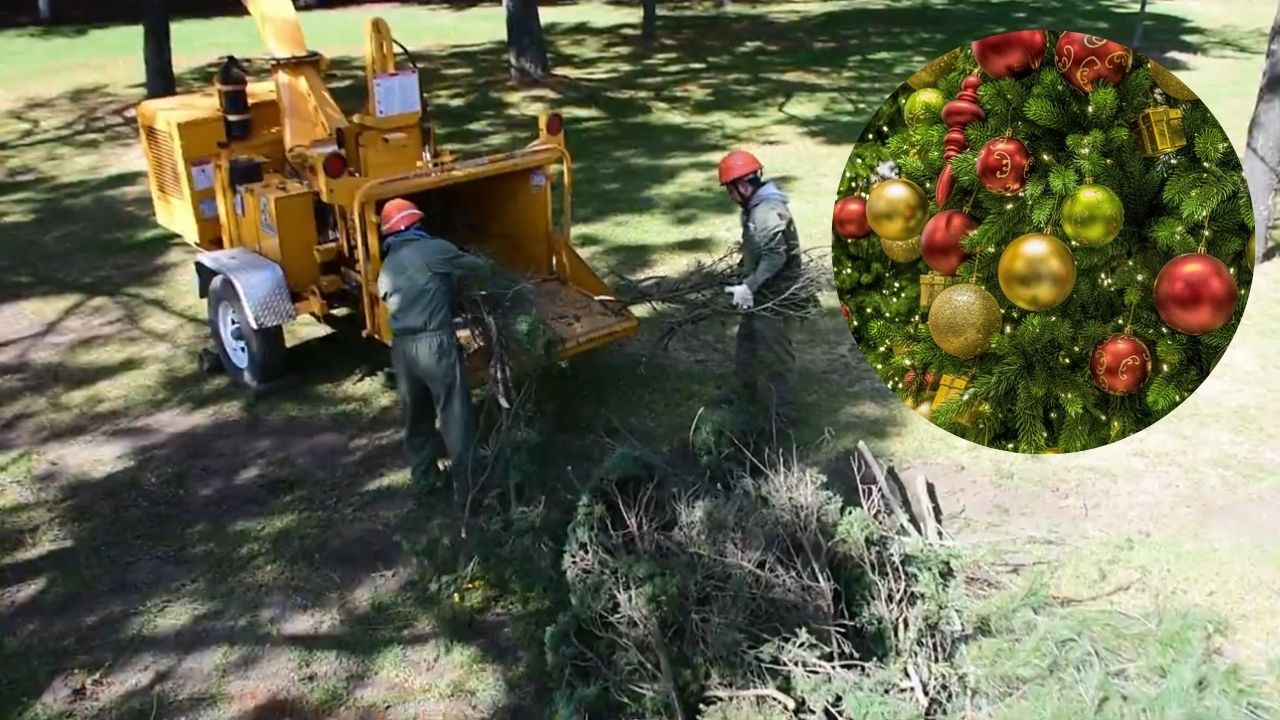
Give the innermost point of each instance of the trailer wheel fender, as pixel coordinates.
(259, 282)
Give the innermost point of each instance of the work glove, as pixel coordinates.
(742, 297)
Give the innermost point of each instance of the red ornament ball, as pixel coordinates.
(848, 314)
(850, 218)
(940, 241)
(1120, 364)
(1011, 54)
(1195, 293)
(1085, 59)
(1003, 164)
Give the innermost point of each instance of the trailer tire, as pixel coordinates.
(251, 357)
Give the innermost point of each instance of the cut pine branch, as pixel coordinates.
(698, 294)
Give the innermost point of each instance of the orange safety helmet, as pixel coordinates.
(399, 214)
(737, 165)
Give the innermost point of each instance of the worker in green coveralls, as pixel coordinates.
(764, 359)
(418, 281)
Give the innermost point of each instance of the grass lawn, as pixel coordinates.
(166, 544)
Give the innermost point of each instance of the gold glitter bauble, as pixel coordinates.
(1250, 250)
(964, 319)
(929, 75)
(1037, 272)
(1051, 451)
(1170, 84)
(902, 251)
(897, 209)
(1092, 215)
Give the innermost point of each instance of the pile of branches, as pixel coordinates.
(506, 327)
(761, 594)
(698, 294)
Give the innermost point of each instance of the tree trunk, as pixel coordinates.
(45, 8)
(156, 51)
(649, 27)
(1137, 34)
(1262, 149)
(526, 48)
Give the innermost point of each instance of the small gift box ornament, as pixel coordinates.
(931, 285)
(1160, 131)
(951, 389)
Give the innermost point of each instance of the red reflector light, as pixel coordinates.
(335, 165)
(555, 124)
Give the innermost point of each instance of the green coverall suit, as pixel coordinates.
(764, 359)
(418, 282)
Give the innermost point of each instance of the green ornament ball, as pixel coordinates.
(923, 107)
(1092, 215)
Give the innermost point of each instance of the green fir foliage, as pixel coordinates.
(1032, 391)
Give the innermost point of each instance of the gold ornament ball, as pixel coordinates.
(924, 106)
(1169, 83)
(1092, 215)
(964, 319)
(897, 209)
(902, 251)
(1051, 451)
(930, 74)
(1251, 250)
(1037, 272)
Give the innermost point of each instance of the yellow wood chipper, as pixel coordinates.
(280, 191)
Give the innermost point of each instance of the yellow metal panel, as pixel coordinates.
(278, 24)
(505, 216)
(308, 112)
(383, 154)
(181, 137)
(243, 216)
(287, 231)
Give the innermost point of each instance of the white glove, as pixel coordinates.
(742, 297)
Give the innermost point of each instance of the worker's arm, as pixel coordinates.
(477, 270)
(771, 233)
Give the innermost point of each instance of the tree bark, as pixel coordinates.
(45, 8)
(1137, 33)
(156, 51)
(1262, 149)
(649, 26)
(526, 47)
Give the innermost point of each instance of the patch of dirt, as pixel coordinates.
(16, 325)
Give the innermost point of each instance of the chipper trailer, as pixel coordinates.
(280, 192)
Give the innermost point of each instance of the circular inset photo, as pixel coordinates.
(1043, 242)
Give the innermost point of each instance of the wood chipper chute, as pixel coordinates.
(280, 190)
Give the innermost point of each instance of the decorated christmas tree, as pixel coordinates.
(1041, 242)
